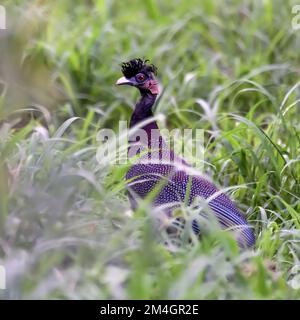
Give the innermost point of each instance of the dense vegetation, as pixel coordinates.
(230, 68)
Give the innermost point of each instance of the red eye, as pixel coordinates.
(140, 77)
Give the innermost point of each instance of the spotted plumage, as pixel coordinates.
(159, 167)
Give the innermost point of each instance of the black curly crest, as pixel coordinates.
(135, 66)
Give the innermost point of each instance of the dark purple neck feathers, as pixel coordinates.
(143, 109)
(142, 112)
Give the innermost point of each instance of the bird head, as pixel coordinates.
(138, 73)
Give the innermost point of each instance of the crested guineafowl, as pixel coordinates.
(160, 168)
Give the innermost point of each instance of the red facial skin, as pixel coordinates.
(152, 86)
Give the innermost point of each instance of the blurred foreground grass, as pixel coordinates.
(66, 229)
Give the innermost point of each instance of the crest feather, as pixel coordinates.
(135, 66)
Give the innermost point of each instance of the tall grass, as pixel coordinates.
(66, 228)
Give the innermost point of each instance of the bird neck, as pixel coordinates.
(143, 111)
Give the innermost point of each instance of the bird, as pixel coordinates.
(170, 180)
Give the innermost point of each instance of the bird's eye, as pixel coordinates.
(140, 77)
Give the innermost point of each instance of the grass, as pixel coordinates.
(66, 229)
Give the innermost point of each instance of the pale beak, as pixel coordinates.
(122, 81)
